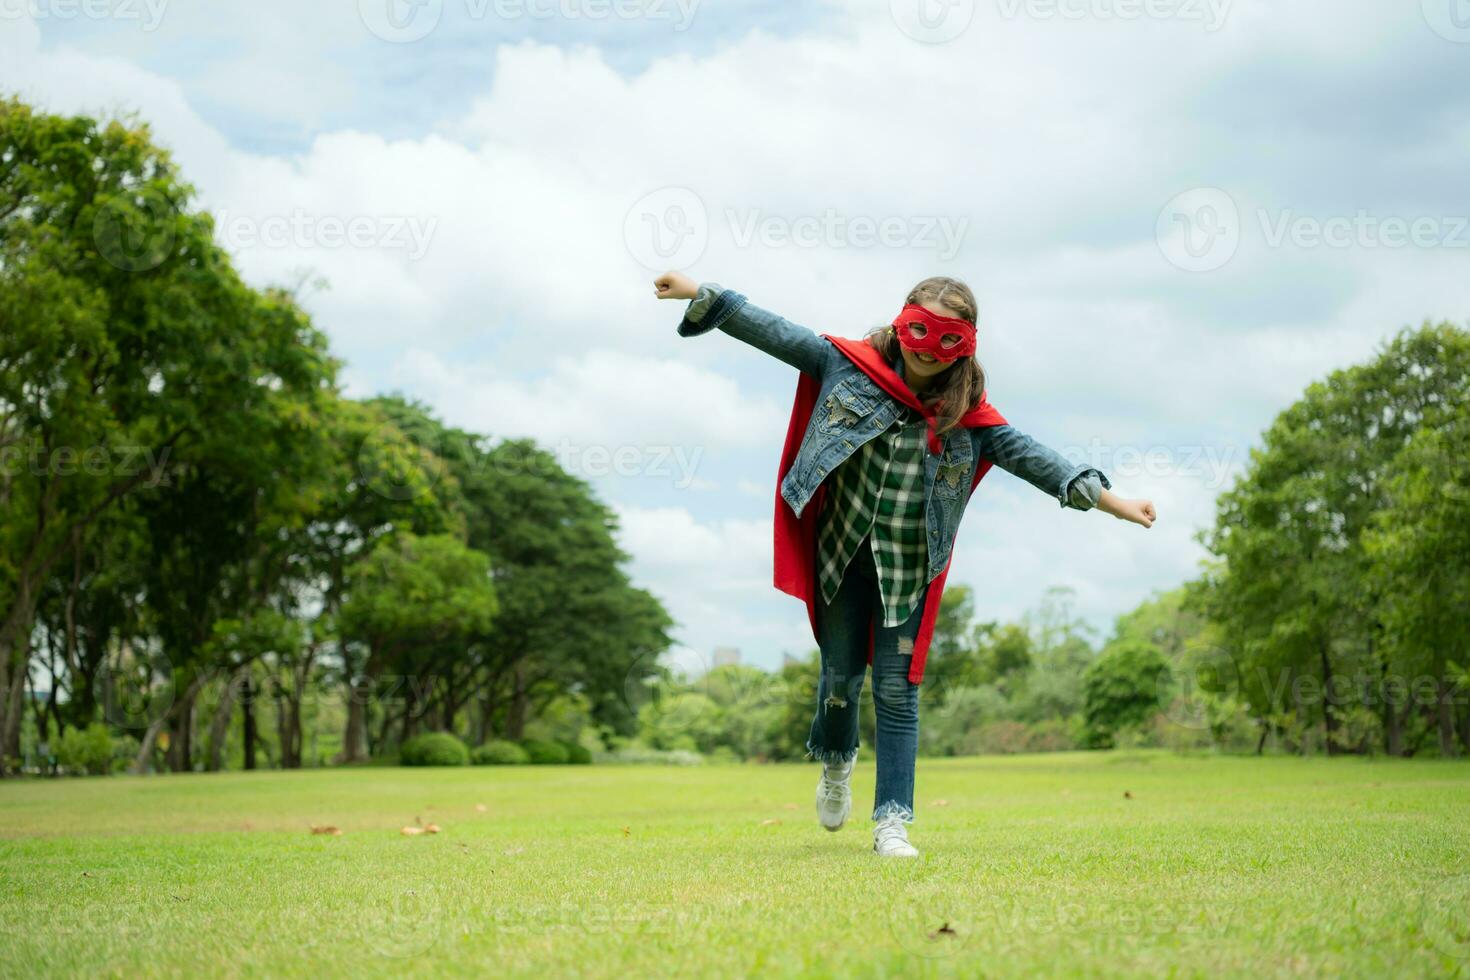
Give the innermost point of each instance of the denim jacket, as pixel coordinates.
(851, 409)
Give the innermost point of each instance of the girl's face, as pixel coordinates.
(922, 367)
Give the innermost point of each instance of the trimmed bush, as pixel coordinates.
(545, 753)
(434, 749)
(577, 755)
(86, 750)
(499, 752)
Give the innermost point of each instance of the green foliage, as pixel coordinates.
(543, 753)
(1339, 552)
(434, 749)
(1121, 689)
(86, 750)
(499, 752)
(577, 754)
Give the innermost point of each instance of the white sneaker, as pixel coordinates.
(891, 839)
(834, 794)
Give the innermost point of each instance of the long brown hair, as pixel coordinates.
(962, 385)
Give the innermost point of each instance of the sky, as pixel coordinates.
(1175, 214)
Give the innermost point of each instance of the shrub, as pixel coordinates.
(499, 752)
(577, 755)
(639, 754)
(434, 749)
(545, 753)
(87, 750)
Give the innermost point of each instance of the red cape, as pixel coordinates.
(796, 538)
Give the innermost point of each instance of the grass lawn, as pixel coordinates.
(1080, 864)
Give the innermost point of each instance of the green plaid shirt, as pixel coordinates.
(879, 489)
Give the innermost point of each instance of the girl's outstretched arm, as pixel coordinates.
(1079, 487)
(713, 306)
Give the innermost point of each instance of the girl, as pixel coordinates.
(888, 438)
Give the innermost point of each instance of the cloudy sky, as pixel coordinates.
(1176, 213)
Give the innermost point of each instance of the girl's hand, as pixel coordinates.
(675, 285)
(1137, 511)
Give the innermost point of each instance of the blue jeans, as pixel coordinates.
(842, 636)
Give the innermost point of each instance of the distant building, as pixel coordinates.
(727, 656)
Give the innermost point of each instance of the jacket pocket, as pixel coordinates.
(846, 405)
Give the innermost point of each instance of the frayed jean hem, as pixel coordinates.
(886, 811)
(837, 756)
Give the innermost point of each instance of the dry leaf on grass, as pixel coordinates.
(411, 831)
(425, 828)
(770, 823)
(792, 806)
(941, 803)
(481, 808)
(327, 829)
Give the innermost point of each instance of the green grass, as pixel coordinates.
(1039, 865)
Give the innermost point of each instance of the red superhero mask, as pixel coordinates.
(935, 329)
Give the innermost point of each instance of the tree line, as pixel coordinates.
(193, 515)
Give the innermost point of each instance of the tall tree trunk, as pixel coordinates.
(354, 735)
(360, 688)
(482, 719)
(220, 727)
(515, 722)
(1329, 717)
(150, 736)
(1446, 717)
(247, 719)
(181, 745)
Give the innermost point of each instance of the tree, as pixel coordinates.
(1121, 689)
(1419, 547)
(411, 601)
(130, 352)
(1293, 588)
